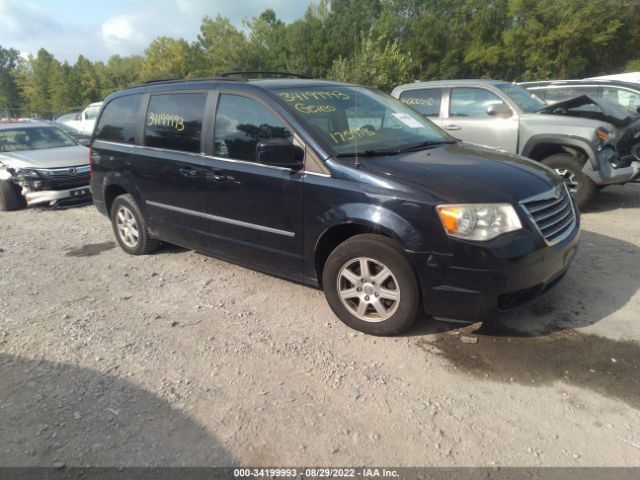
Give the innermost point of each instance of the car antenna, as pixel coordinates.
(357, 162)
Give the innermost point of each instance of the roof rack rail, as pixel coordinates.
(259, 72)
(163, 80)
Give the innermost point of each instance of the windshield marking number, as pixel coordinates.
(350, 135)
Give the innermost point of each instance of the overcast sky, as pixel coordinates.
(98, 29)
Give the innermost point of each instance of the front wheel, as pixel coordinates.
(580, 186)
(10, 197)
(371, 286)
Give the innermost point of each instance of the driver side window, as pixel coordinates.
(240, 123)
(471, 102)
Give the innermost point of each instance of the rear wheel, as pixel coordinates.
(370, 285)
(130, 228)
(580, 186)
(10, 197)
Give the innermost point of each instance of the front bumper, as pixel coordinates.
(53, 196)
(454, 290)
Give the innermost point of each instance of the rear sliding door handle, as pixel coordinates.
(452, 127)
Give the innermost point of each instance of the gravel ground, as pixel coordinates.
(180, 359)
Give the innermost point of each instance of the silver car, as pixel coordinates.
(588, 141)
(40, 164)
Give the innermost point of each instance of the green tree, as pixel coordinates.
(88, 81)
(223, 46)
(118, 73)
(266, 45)
(35, 80)
(566, 38)
(308, 44)
(64, 89)
(9, 91)
(379, 64)
(169, 57)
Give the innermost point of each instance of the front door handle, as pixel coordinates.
(219, 177)
(187, 172)
(452, 127)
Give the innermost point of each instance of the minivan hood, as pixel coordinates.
(609, 112)
(468, 173)
(47, 158)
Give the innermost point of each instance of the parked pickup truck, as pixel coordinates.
(590, 142)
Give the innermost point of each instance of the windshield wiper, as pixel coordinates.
(368, 153)
(425, 145)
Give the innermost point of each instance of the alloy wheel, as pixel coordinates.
(368, 289)
(127, 227)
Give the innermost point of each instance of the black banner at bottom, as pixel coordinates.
(211, 473)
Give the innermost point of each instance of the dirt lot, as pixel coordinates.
(181, 359)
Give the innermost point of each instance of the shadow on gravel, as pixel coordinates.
(604, 276)
(608, 367)
(55, 412)
(539, 345)
(615, 197)
(90, 250)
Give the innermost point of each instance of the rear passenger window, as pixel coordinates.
(174, 121)
(119, 121)
(240, 123)
(426, 102)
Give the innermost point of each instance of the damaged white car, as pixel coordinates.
(40, 164)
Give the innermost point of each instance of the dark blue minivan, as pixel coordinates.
(334, 185)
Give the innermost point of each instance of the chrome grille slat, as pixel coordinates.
(552, 213)
(545, 225)
(566, 223)
(539, 208)
(555, 212)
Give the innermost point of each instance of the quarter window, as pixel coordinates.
(629, 100)
(471, 102)
(174, 121)
(240, 123)
(426, 102)
(119, 121)
(560, 94)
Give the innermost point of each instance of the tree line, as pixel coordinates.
(374, 42)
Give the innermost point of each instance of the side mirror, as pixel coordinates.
(85, 142)
(279, 152)
(499, 110)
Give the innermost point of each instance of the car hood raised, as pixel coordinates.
(468, 173)
(47, 158)
(609, 112)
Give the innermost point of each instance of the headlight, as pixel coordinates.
(479, 221)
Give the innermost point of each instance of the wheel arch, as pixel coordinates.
(373, 220)
(540, 147)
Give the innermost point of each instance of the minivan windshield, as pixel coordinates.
(361, 121)
(527, 101)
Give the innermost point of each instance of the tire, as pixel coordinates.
(581, 187)
(10, 197)
(130, 227)
(372, 309)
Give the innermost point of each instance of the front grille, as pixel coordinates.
(552, 213)
(60, 178)
(627, 146)
(64, 182)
